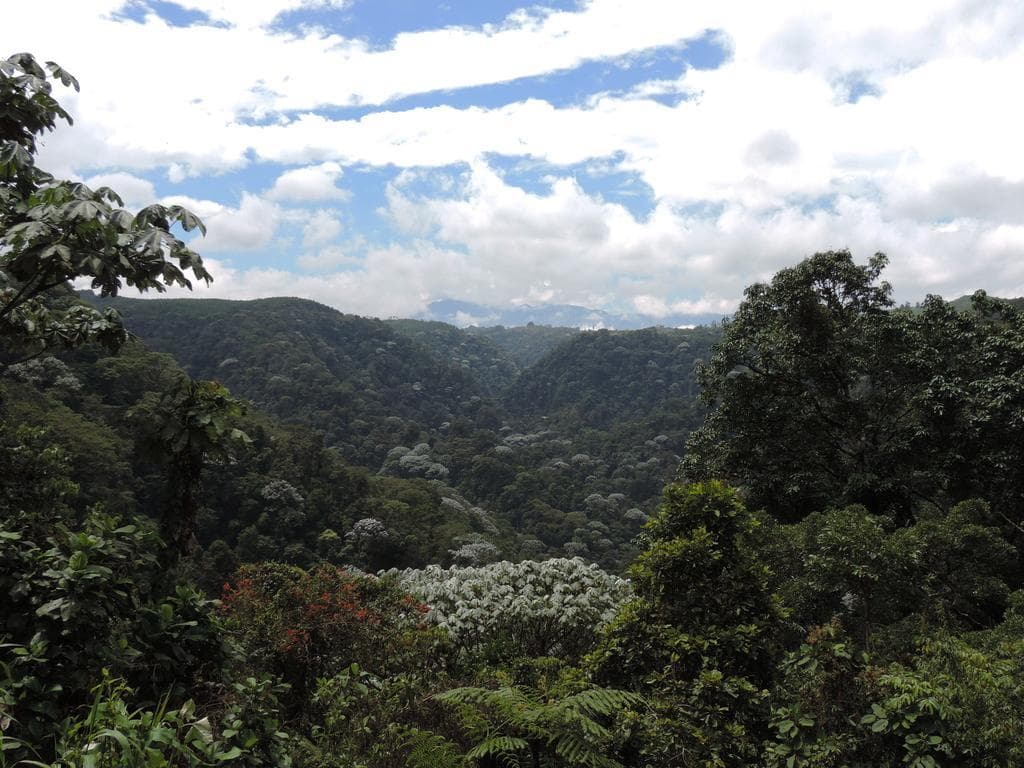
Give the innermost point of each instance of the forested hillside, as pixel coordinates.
(492, 367)
(525, 344)
(364, 385)
(397, 545)
(600, 378)
(571, 452)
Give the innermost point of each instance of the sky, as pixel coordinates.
(651, 157)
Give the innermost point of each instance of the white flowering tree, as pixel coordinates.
(413, 462)
(528, 608)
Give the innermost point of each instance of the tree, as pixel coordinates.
(79, 596)
(307, 625)
(951, 573)
(505, 610)
(54, 231)
(700, 640)
(192, 423)
(788, 381)
(824, 395)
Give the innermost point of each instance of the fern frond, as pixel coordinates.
(496, 746)
(431, 750)
(600, 702)
(506, 720)
(467, 704)
(504, 698)
(580, 751)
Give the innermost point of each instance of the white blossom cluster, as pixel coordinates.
(517, 439)
(533, 607)
(413, 462)
(474, 549)
(45, 372)
(367, 529)
(635, 515)
(281, 493)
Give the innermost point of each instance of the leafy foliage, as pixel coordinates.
(53, 231)
(700, 640)
(309, 625)
(824, 395)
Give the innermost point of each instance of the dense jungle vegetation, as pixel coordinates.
(267, 533)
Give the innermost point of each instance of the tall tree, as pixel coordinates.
(53, 231)
(700, 640)
(823, 394)
(192, 423)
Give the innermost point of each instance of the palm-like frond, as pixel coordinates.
(511, 719)
(431, 750)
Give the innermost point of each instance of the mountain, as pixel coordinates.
(561, 438)
(491, 365)
(964, 303)
(365, 385)
(525, 344)
(600, 378)
(466, 313)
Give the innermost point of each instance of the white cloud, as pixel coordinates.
(764, 163)
(327, 259)
(322, 227)
(193, 117)
(251, 225)
(465, 319)
(316, 182)
(651, 306)
(253, 13)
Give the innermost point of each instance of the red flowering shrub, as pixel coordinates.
(309, 624)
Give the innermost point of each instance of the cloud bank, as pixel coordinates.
(873, 127)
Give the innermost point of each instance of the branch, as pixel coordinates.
(19, 299)
(5, 366)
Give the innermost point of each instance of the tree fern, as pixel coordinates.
(517, 720)
(498, 746)
(599, 702)
(431, 750)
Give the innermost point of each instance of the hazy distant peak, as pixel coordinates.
(467, 313)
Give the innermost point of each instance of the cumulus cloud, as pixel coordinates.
(328, 259)
(767, 159)
(312, 183)
(773, 148)
(565, 246)
(322, 227)
(251, 225)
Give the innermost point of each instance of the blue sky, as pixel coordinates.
(650, 157)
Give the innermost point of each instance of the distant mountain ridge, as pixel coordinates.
(467, 313)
